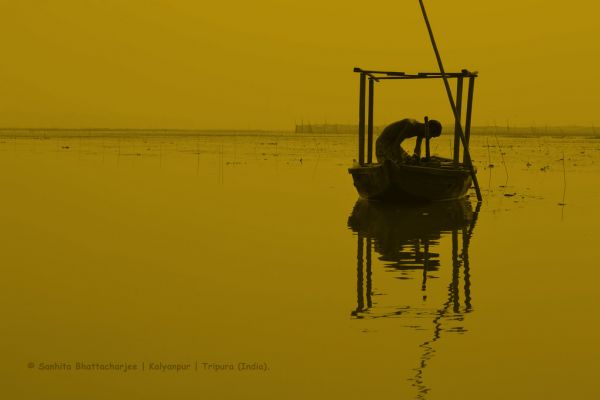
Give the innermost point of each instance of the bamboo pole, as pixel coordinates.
(427, 148)
(469, 112)
(369, 273)
(383, 78)
(452, 105)
(459, 96)
(361, 121)
(370, 122)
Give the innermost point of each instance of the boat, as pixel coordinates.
(426, 179)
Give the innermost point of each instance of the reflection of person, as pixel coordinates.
(388, 144)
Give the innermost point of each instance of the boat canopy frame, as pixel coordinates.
(366, 120)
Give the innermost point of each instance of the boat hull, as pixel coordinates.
(411, 182)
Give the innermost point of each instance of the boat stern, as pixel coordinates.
(371, 181)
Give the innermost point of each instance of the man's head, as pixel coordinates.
(435, 128)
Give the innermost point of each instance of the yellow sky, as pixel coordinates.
(266, 64)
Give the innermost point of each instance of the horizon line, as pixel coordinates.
(104, 129)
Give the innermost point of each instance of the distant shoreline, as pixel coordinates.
(99, 132)
(315, 130)
(130, 130)
(475, 130)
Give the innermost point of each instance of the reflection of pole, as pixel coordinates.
(467, 234)
(359, 275)
(425, 263)
(455, 270)
(428, 349)
(474, 220)
(465, 257)
(417, 249)
(368, 288)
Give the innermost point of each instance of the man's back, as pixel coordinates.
(387, 146)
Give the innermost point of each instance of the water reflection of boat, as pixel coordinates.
(405, 235)
(405, 238)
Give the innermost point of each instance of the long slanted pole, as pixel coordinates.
(467, 154)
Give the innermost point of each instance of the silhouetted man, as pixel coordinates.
(388, 144)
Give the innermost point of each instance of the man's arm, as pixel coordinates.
(418, 146)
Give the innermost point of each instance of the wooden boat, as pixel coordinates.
(427, 179)
(434, 180)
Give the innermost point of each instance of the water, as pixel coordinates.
(211, 250)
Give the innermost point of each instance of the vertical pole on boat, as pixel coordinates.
(368, 288)
(370, 122)
(469, 112)
(452, 105)
(459, 96)
(427, 148)
(361, 120)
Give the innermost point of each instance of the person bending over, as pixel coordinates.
(388, 145)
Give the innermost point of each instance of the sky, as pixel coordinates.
(266, 64)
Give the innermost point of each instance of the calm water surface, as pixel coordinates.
(227, 248)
